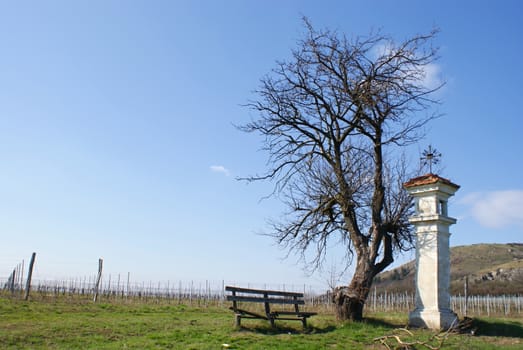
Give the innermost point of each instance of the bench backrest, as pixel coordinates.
(264, 296)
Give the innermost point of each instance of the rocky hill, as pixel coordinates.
(491, 269)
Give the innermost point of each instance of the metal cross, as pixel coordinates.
(430, 156)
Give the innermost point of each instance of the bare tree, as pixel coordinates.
(334, 119)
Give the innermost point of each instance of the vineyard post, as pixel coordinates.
(22, 272)
(374, 299)
(29, 276)
(190, 295)
(11, 281)
(118, 288)
(98, 279)
(466, 294)
(108, 287)
(128, 281)
(19, 279)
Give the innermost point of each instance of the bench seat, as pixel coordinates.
(267, 298)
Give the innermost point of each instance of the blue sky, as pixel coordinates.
(117, 137)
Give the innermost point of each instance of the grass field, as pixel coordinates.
(81, 324)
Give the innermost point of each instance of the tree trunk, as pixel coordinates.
(349, 301)
(348, 305)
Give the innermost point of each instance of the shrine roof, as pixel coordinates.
(428, 179)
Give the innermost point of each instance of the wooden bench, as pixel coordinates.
(267, 297)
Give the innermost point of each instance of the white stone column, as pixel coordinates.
(432, 222)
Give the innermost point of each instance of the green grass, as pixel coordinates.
(76, 324)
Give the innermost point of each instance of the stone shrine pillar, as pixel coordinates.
(432, 222)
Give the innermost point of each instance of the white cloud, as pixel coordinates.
(432, 77)
(496, 209)
(220, 169)
(381, 49)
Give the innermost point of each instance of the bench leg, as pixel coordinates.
(237, 320)
(304, 322)
(271, 320)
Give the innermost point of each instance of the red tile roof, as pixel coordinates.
(428, 179)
